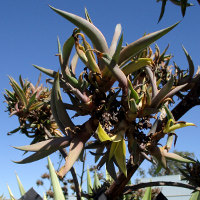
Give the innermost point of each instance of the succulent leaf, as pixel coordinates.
(55, 144)
(132, 49)
(136, 65)
(147, 194)
(21, 187)
(89, 183)
(162, 93)
(19, 91)
(58, 193)
(87, 16)
(60, 112)
(120, 156)
(111, 169)
(133, 93)
(115, 39)
(114, 146)
(89, 29)
(176, 157)
(103, 136)
(96, 183)
(162, 9)
(11, 194)
(48, 72)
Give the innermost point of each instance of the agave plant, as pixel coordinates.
(31, 104)
(121, 88)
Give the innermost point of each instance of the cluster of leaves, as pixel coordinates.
(181, 3)
(31, 104)
(119, 114)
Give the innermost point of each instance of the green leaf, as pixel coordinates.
(92, 65)
(120, 156)
(59, 52)
(132, 49)
(36, 156)
(176, 157)
(115, 39)
(58, 193)
(191, 68)
(11, 194)
(18, 91)
(162, 9)
(157, 100)
(183, 6)
(110, 168)
(133, 93)
(36, 105)
(61, 116)
(87, 16)
(177, 126)
(89, 29)
(89, 183)
(96, 183)
(195, 196)
(76, 147)
(115, 57)
(48, 72)
(113, 148)
(31, 100)
(103, 136)
(136, 65)
(55, 143)
(147, 194)
(21, 188)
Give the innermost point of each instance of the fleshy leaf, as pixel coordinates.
(136, 65)
(48, 72)
(176, 157)
(10, 193)
(162, 9)
(76, 147)
(89, 182)
(97, 183)
(36, 156)
(58, 193)
(115, 39)
(19, 91)
(133, 93)
(103, 136)
(147, 194)
(56, 143)
(132, 49)
(21, 188)
(120, 156)
(113, 148)
(87, 16)
(89, 29)
(110, 168)
(59, 112)
(177, 126)
(162, 93)
(195, 196)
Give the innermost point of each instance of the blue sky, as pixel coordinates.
(28, 35)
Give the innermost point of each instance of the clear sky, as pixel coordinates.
(28, 35)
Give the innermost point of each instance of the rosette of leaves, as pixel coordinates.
(31, 104)
(119, 90)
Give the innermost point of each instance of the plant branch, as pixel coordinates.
(131, 188)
